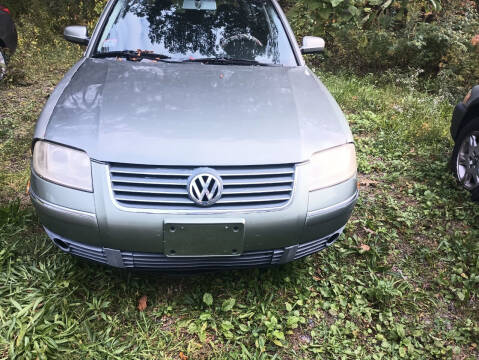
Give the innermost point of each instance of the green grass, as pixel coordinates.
(411, 293)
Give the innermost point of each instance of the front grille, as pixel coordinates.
(162, 262)
(165, 187)
(313, 247)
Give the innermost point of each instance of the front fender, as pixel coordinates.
(463, 112)
(8, 33)
(47, 111)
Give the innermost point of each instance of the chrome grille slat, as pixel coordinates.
(251, 199)
(258, 181)
(256, 190)
(150, 190)
(147, 207)
(226, 173)
(223, 171)
(149, 181)
(152, 173)
(146, 187)
(155, 199)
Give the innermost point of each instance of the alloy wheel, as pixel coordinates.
(468, 161)
(3, 65)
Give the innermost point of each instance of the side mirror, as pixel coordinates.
(312, 44)
(76, 34)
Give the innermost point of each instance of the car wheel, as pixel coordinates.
(3, 64)
(465, 157)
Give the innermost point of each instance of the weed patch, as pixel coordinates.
(402, 282)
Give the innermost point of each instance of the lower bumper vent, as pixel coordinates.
(153, 261)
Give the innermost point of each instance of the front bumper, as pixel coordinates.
(90, 225)
(152, 261)
(462, 112)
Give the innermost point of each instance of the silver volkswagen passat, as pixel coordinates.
(190, 136)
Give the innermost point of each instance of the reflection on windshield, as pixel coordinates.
(243, 29)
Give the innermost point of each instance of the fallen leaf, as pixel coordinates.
(142, 303)
(425, 126)
(183, 356)
(367, 182)
(364, 247)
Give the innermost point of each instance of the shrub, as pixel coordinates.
(46, 19)
(438, 40)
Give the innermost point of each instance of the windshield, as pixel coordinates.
(193, 29)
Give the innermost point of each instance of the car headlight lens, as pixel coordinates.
(332, 166)
(62, 165)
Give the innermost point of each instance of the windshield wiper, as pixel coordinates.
(132, 55)
(229, 61)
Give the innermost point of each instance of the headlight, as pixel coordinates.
(62, 165)
(332, 166)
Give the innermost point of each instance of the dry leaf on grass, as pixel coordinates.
(183, 356)
(364, 247)
(367, 182)
(142, 303)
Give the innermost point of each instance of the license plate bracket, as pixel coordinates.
(193, 238)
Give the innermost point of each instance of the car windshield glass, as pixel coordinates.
(193, 29)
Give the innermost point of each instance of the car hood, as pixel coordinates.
(195, 114)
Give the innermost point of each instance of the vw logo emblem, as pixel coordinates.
(205, 187)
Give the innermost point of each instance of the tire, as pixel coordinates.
(475, 195)
(465, 156)
(3, 64)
